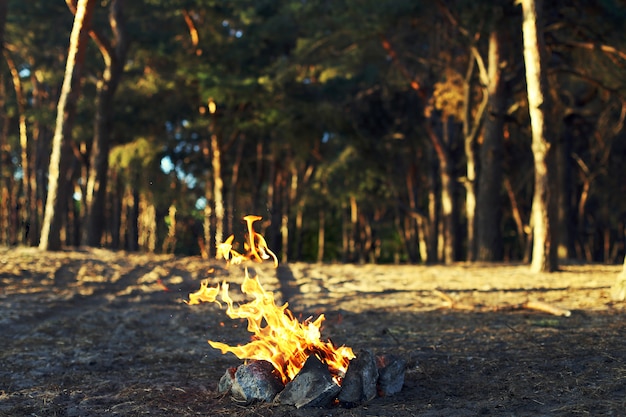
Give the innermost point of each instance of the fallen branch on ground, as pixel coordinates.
(528, 305)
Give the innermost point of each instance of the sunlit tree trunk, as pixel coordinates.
(470, 176)
(447, 195)
(321, 233)
(432, 225)
(59, 185)
(353, 230)
(169, 243)
(471, 128)
(114, 55)
(218, 187)
(489, 213)
(130, 211)
(544, 252)
(40, 138)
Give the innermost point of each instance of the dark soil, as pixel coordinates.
(99, 333)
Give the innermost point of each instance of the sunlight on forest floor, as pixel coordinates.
(95, 332)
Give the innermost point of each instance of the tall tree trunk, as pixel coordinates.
(353, 230)
(471, 128)
(114, 55)
(232, 189)
(517, 217)
(470, 176)
(447, 195)
(566, 224)
(218, 187)
(321, 233)
(59, 185)
(432, 225)
(209, 244)
(288, 208)
(544, 251)
(412, 242)
(40, 138)
(489, 213)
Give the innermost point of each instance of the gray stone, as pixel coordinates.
(390, 374)
(313, 386)
(226, 381)
(359, 384)
(255, 381)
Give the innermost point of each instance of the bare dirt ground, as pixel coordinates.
(99, 333)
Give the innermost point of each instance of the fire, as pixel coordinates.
(277, 336)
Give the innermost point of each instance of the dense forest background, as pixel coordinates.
(360, 130)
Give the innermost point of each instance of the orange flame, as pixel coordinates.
(277, 336)
(256, 247)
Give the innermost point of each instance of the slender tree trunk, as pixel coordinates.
(297, 235)
(353, 229)
(432, 235)
(470, 156)
(114, 55)
(40, 138)
(133, 215)
(24, 205)
(209, 244)
(489, 235)
(218, 187)
(232, 189)
(4, 172)
(544, 257)
(566, 225)
(447, 196)
(321, 233)
(471, 128)
(290, 202)
(59, 185)
(517, 217)
(413, 242)
(279, 175)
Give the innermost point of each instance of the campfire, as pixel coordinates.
(286, 360)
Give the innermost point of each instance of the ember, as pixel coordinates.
(287, 362)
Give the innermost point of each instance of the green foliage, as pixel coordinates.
(320, 88)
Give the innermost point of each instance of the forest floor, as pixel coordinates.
(100, 333)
